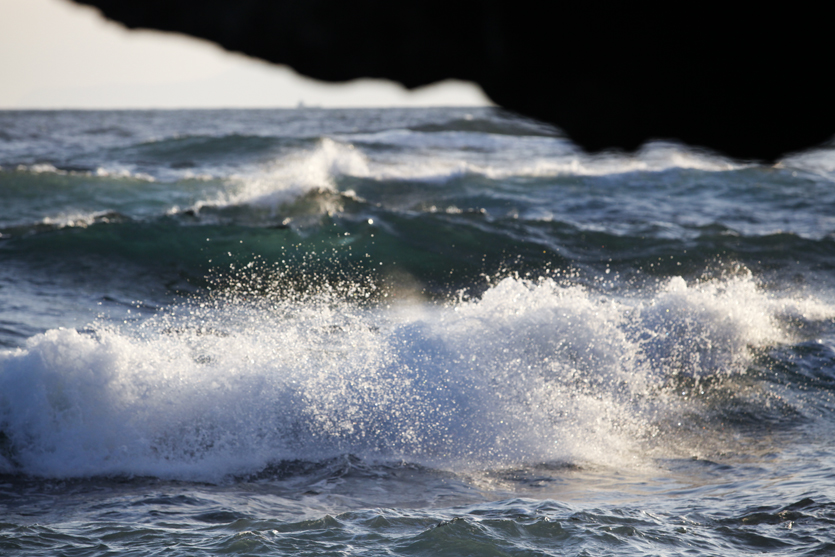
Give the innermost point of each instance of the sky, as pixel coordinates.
(55, 54)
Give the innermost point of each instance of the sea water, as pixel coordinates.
(408, 332)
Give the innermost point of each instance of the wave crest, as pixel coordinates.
(532, 371)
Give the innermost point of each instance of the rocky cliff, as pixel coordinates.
(750, 85)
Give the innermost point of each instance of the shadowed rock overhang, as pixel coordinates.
(749, 85)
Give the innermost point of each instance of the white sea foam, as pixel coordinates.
(100, 172)
(438, 158)
(653, 157)
(817, 161)
(444, 155)
(293, 176)
(39, 168)
(81, 219)
(122, 172)
(530, 372)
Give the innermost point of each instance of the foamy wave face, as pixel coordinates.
(294, 176)
(82, 220)
(100, 172)
(708, 329)
(435, 158)
(816, 161)
(441, 156)
(530, 372)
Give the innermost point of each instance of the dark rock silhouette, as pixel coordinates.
(749, 85)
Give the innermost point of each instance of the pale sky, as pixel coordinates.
(56, 54)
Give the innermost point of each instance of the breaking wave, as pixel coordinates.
(532, 371)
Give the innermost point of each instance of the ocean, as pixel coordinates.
(438, 331)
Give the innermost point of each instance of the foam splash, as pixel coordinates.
(531, 372)
(295, 175)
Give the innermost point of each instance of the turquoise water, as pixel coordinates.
(408, 332)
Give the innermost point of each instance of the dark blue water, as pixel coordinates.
(408, 332)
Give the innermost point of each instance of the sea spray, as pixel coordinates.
(532, 371)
